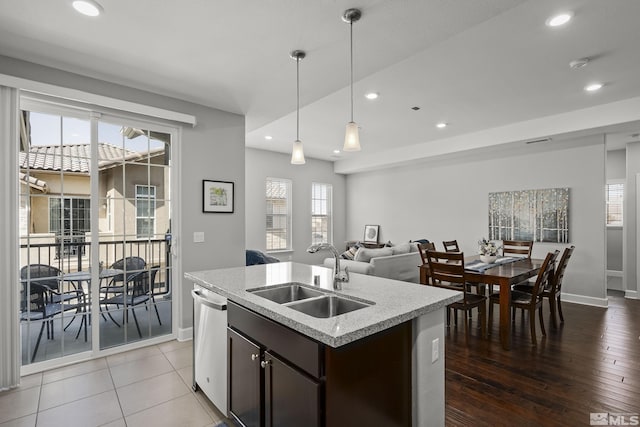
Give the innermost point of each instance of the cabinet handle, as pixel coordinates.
(255, 356)
(265, 363)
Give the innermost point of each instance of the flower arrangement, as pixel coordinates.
(487, 247)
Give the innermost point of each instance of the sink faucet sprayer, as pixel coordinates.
(339, 277)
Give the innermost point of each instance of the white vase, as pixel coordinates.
(489, 259)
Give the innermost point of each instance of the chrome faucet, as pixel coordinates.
(339, 277)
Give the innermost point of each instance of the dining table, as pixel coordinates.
(504, 273)
(77, 278)
(84, 276)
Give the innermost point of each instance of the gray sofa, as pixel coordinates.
(398, 262)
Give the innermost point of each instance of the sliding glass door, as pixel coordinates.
(95, 230)
(134, 232)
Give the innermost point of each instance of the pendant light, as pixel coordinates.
(351, 137)
(297, 154)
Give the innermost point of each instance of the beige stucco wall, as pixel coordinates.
(110, 183)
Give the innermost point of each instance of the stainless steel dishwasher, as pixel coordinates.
(210, 345)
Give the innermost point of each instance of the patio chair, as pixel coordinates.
(42, 299)
(139, 289)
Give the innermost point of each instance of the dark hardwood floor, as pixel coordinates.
(591, 363)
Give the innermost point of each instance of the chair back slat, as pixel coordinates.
(446, 270)
(556, 282)
(451, 246)
(517, 247)
(543, 275)
(423, 248)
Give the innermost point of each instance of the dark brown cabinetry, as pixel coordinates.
(280, 378)
(273, 373)
(291, 398)
(244, 369)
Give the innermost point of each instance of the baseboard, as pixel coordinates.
(631, 294)
(584, 300)
(615, 273)
(185, 334)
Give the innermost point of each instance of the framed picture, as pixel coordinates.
(217, 196)
(371, 233)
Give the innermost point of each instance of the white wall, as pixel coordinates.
(630, 219)
(449, 200)
(213, 149)
(616, 164)
(616, 169)
(261, 164)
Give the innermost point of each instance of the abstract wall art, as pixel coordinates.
(538, 215)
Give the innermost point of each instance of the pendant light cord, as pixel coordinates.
(298, 99)
(351, 55)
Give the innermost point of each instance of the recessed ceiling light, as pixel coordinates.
(336, 151)
(441, 125)
(372, 95)
(268, 138)
(88, 7)
(579, 63)
(559, 19)
(593, 87)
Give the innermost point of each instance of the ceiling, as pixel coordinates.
(491, 69)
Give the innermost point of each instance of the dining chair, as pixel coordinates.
(521, 248)
(447, 271)
(552, 289)
(451, 246)
(423, 248)
(529, 301)
(138, 290)
(42, 299)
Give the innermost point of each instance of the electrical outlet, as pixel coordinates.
(435, 350)
(198, 237)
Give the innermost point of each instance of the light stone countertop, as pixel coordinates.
(395, 301)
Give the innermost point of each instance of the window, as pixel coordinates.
(145, 211)
(69, 220)
(615, 196)
(321, 213)
(278, 196)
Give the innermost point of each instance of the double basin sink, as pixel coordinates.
(307, 300)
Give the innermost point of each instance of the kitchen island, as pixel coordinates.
(399, 324)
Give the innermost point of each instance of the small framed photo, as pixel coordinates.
(371, 233)
(217, 196)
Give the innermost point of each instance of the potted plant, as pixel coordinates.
(488, 251)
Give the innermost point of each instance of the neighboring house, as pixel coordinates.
(58, 205)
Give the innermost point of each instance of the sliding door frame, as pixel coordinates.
(94, 114)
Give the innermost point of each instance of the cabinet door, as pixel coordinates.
(244, 379)
(291, 397)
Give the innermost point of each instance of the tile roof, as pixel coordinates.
(33, 182)
(74, 157)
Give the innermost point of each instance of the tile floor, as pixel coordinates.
(150, 386)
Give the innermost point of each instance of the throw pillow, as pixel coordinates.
(402, 248)
(421, 241)
(413, 247)
(351, 252)
(365, 255)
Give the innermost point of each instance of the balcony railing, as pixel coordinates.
(71, 255)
